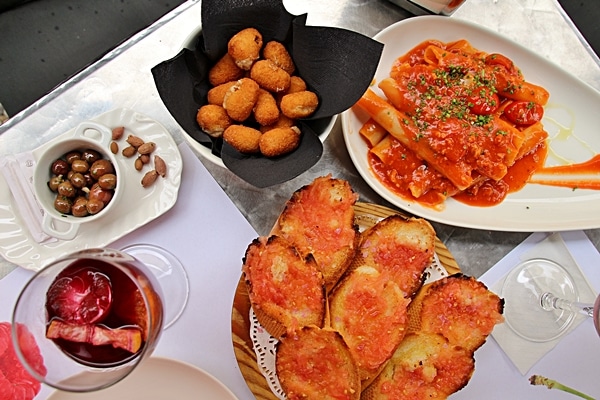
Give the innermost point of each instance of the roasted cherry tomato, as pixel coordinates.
(524, 112)
(483, 101)
(503, 61)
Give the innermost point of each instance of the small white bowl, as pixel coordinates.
(88, 135)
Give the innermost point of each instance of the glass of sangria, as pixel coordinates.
(97, 313)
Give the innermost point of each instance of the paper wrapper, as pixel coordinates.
(337, 64)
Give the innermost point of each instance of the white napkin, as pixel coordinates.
(18, 173)
(522, 352)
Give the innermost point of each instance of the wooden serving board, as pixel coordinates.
(367, 215)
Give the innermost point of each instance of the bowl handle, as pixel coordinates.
(95, 131)
(50, 228)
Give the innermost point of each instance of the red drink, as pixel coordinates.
(97, 315)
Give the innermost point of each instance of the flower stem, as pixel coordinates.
(552, 384)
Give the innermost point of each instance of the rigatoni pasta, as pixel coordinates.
(457, 119)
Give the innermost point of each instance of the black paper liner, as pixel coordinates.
(337, 64)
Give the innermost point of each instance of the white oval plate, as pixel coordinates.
(572, 104)
(159, 378)
(137, 206)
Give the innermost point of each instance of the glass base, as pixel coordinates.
(522, 293)
(171, 275)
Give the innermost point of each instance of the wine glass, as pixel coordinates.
(96, 314)
(542, 301)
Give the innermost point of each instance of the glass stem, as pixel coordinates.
(551, 302)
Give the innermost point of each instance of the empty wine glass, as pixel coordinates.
(97, 313)
(542, 301)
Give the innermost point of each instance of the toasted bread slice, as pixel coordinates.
(286, 289)
(370, 312)
(314, 363)
(424, 367)
(400, 247)
(462, 309)
(319, 220)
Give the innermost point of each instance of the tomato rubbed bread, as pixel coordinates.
(399, 247)
(462, 309)
(319, 220)
(286, 289)
(424, 367)
(369, 306)
(370, 312)
(314, 363)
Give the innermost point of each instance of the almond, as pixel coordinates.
(135, 141)
(149, 178)
(160, 166)
(129, 151)
(117, 133)
(114, 147)
(146, 148)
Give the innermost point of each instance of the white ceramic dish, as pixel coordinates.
(573, 105)
(137, 206)
(87, 135)
(206, 152)
(159, 378)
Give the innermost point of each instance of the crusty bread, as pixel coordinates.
(402, 247)
(424, 367)
(470, 311)
(314, 363)
(319, 220)
(369, 311)
(286, 289)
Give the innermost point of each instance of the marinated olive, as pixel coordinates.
(72, 156)
(60, 167)
(54, 182)
(80, 166)
(84, 182)
(94, 206)
(66, 189)
(101, 167)
(78, 180)
(91, 156)
(79, 208)
(97, 193)
(62, 204)
(107, 181)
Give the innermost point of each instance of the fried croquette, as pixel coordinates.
(279, 141)
(213, 119)
(243, 138)
(224, 71)
(217, 94)
(266, 111)
(270, 77)
(297, 84)
(282, 122)
(278, 54)
(244, 47)
(299, 104)
(239, 101)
